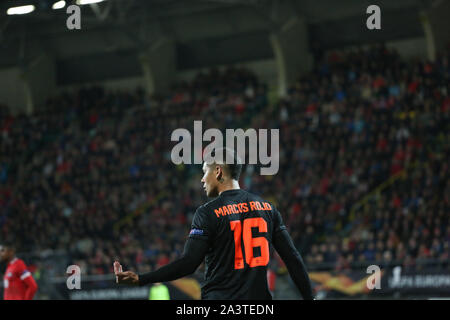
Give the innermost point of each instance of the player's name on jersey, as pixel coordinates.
(242, 208)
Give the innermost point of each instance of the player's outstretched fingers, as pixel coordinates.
(117, 269)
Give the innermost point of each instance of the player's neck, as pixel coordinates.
(230, 185)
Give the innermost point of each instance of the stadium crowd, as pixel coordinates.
(363, 176)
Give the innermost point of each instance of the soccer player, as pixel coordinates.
(18, 282)
(233, 232)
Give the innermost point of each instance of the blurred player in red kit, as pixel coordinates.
(18, 282)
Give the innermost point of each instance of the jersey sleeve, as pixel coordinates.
(21, 270)
(278, 221)
(193, 255)
(201, 227)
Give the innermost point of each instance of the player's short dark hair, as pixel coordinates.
(233, 169)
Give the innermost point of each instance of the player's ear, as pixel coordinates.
(219, 173)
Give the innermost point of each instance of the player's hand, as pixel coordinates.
(126, 277)
(117, 269)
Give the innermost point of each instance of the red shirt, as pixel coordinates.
(18, 282)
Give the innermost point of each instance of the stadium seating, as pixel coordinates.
(363, 165)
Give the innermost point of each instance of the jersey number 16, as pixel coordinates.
(250, 243)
